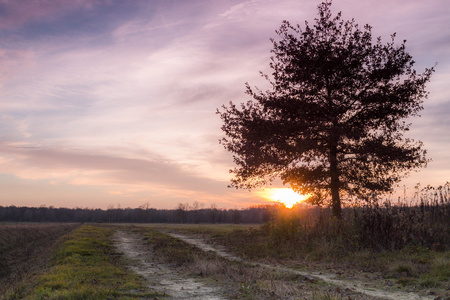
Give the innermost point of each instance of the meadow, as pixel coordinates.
(401, 250)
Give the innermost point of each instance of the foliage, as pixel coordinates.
(333, 123)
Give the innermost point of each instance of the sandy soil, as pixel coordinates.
(158, 276)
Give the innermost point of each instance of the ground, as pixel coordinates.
(306, 284)
(174, 262)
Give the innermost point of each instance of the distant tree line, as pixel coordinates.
(182, 214)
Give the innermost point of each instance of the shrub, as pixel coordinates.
(423, 221)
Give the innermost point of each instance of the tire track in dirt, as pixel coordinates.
(160, 277)
(354, 285)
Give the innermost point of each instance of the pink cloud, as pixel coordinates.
(165, 182)
(100, 169)
(13, 62)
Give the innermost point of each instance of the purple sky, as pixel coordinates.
(113, 102)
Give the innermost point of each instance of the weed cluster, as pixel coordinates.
(421, 222)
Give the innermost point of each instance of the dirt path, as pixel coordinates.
(354, 285)
(160, 277)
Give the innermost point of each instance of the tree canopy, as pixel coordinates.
(334, 120)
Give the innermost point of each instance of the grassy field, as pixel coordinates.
(239, 280)
(390, 247)
(25, 250)
(414, 265)
(84, 265)
(413, 268)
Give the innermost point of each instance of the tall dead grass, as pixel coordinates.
(423, 221)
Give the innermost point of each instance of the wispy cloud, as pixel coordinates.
(35, 162)
(118, 176)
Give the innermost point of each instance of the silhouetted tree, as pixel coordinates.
(333, 122)
(182, 212)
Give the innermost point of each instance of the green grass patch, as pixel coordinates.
(86, 267)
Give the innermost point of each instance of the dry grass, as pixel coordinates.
(406, 244)
(240, 280)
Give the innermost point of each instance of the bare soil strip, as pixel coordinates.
(159, 277)
(354, 285)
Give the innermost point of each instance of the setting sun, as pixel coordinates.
(286, 196)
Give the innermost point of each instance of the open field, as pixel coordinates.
(163, 261)
(411, 273)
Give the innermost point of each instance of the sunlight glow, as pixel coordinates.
(286, 196)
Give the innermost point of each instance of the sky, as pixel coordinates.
(112, 103)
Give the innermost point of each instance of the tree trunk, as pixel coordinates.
(334, 176)
(333, 148)
(335, 199)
